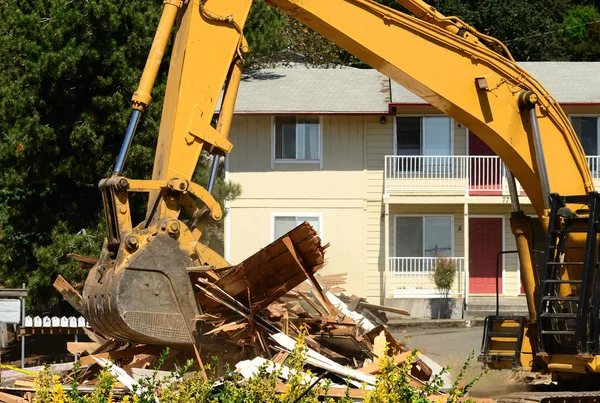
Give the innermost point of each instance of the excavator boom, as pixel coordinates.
(140, 289)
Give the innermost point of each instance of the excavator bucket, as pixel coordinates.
(146, 299)
(146, 295)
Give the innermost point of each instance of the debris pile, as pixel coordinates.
(252, 314)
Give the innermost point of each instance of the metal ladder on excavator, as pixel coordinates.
(568, 301)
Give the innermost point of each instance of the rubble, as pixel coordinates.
(253, 313)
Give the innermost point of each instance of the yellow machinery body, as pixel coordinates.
(140, 289)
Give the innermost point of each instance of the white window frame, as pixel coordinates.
(452, 230)
(590, 115)
(274, 215)
(452, 124)
(296, 161)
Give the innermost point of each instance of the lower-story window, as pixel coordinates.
(285, 222)
(423, 236)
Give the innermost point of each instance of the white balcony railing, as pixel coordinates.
(454, 174)
(594, 164)
(413, 277)
(450, 174)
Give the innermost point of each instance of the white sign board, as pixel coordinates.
(10, 310)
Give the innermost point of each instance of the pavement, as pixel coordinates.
(446, 346)
(418, 323)
(449, 345)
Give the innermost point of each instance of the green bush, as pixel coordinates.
(392, 385)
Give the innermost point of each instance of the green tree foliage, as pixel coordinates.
(68, 69)
(581, 33)
(534, 30)
(264, 33)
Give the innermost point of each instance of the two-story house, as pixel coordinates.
(386, 178)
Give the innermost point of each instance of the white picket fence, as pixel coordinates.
(55, 321)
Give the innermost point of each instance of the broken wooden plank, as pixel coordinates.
(95, 337)
(320, 295)
(200, 363)
(367, 305)
(228, 327)
(8, 398)
(23, 383)
(373, 368)
(126, 352)
(85, 261)
(272, 272)
(69, 293)
(353, 393)
(77, 348)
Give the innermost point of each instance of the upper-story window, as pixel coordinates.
(297, 139)
(586, 128)
(424, 135)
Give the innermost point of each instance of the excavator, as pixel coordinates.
(140, 289)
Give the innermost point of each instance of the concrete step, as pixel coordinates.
(492, 307)
(483, 314)
(492, 301)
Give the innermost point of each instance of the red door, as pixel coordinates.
(486, 175)
(485, 242)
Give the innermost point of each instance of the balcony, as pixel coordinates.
(411, 277)
(458, 175)
(454, 175)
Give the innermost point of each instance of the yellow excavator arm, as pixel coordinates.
(468, 76)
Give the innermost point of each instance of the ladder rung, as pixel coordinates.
(558, 315)
(565, 263)
(559, 332)
(559, 298)
(569, 231)
(563, 281)
(503, 334)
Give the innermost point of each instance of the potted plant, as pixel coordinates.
(443, 275)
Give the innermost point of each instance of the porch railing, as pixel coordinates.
(450, 174)
(413, 277)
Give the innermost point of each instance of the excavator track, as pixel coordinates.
(551, 397)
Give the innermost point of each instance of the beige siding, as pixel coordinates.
(252, 229)
(460, 139)
(334, 191)
(379, 143)
(374, 251)
(340, 177)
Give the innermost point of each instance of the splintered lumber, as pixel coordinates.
(69, 293)
(8, 398)
(94, 336)
(376, 307)
(77, 348)
(126, 352)
(373, 368)
(85, 261)
(23, 383)
(320, 295)
(273, 271)
(327, 281)
(353, 393)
